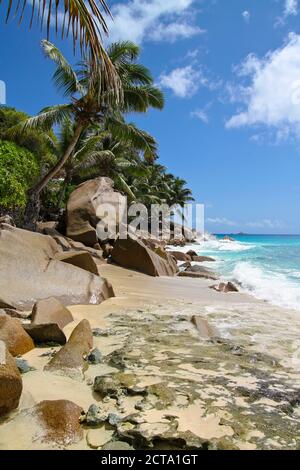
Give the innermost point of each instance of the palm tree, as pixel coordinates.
(178, 194)
(98, 153)
(84, 20)
(90, 105)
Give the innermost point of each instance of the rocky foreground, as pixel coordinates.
(145, 370)
(124, 344)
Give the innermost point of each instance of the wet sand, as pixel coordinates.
(237, 390)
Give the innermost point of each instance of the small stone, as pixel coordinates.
(98, 437)
(48, 353)
(94, 357)
(94, 416)
(106, 386)
(114, 419)
(23, 365)
(117, 445)
(98, 332)
(143, 406)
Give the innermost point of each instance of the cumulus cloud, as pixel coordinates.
(272, 95)
(156, 20)
(246, 15)
(290, 8)
(184, 81)
(221, 221)
(200, 114)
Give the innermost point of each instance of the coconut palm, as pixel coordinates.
(178, 193)
(98, 153)
(90, 104)
(83, 19)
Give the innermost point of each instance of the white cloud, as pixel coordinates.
(200, 114)
(246, 15)
(272, 98)
(290, 8)
(184, 82)
(266, 223)
(173, 31)
(221, 221)
(157, 20)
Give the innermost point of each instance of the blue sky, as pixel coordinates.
(231, 74)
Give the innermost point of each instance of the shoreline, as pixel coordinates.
(224, 392)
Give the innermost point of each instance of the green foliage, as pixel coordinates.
(18, 169)
(34, 140)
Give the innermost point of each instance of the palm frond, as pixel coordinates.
(64, 77)
(89, 145)
(45, 120)
(84, 20)
(129, 132)
(124, 187)
(123, 51)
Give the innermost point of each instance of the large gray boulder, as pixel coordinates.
(30, 272)
(133, 253)
(84, 210)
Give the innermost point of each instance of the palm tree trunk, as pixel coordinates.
(63, 189)
(32, 210)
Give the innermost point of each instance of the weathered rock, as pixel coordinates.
(77, 246)
(51, 310)
(15, 313)
(117, 445)
(180, 233)
(59, 421)
(192, 253)
(229, 239)
(32, 272)
(42, 227)
(14, 336)
(198, 274)
(10, 381)
(117, 384)
(69, 360)
(225, 287)
(107, 249)
(7, 303)
(45, 333)
(186, 265)
(230, 287)
(106, 386)
(67, 244)
(81, 259)
(94, 416)
(7, 219)
(94, 357)
(98, 437)
(202, 271)
(134, 254)
(23, 365)
(202, 259)
(84, 210)
(204, 328)
(180, 256)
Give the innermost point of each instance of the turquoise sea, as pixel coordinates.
(266, 266)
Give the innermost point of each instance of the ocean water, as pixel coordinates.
(266, 266)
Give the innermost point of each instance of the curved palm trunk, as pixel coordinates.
(66, 182)
(33, 205)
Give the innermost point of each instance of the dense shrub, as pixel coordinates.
(34, 140)
(18, 170)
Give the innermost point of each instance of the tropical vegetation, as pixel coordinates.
(89, 136)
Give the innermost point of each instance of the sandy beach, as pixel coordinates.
(232, 383)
